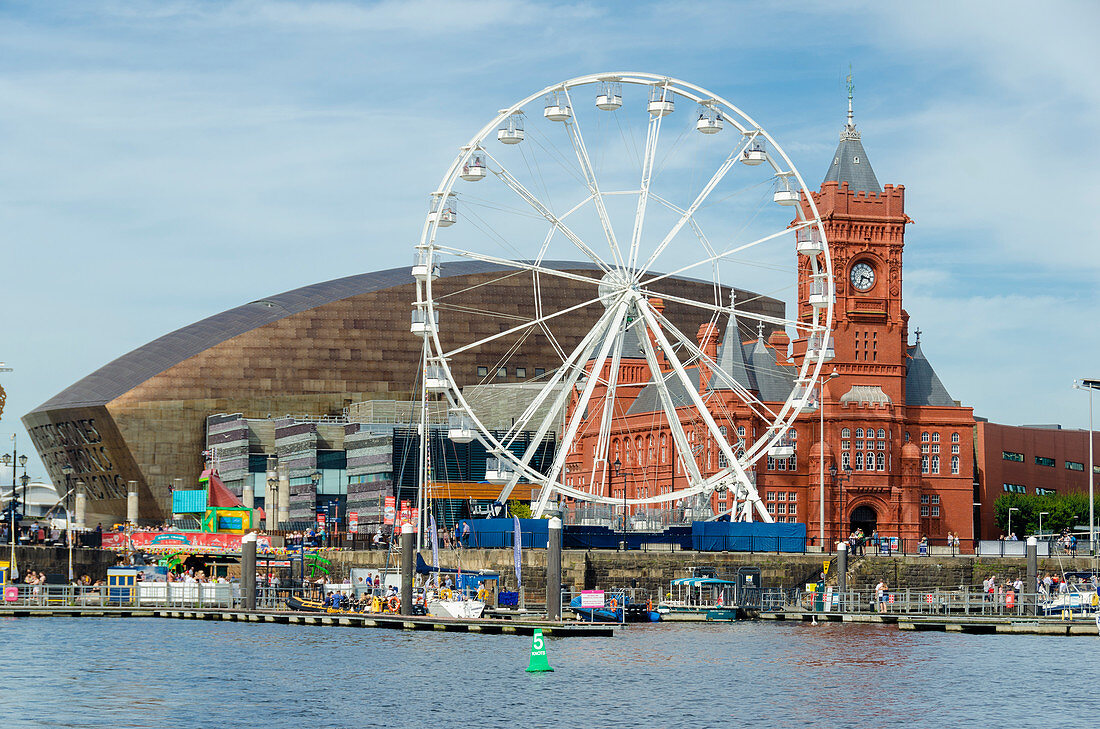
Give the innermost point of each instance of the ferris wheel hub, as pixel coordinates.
(613, 284)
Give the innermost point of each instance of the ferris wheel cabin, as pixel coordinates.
(444, 211)
(557, 107)
(474, 168)
(784, 194)
(661, 102)
(610, 97)
(498, 470)
(755, 153)
(511, 131)
(710, 121)
(809, 242)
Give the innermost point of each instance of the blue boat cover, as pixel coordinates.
(499, 533)
(740, 536)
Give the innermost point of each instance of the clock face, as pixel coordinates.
(863, 276)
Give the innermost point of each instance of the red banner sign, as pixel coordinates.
(353, 521)
(179, 540)
(320, 520)
(388, 511)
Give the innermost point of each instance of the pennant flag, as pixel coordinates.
(517, 542)
(435, 542)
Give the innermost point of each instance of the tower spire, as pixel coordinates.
(851, 87)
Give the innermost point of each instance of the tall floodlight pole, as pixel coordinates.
(1090, 469)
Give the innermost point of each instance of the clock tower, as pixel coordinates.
(865, 227)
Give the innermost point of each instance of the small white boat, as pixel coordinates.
(448, 604)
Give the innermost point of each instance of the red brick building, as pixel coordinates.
(897, 448)
(1028, 459)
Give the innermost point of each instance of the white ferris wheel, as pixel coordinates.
(616, 212)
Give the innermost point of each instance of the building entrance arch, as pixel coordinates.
(863, 517)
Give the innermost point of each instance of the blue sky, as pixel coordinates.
(164, 161)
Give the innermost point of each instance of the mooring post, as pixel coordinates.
(408, 539)
(841, 572)
(248, 571)
(1032, 585)
(553, 570)
(248, 496)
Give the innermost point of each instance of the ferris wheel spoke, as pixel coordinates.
(727, 253)
(702, 409)
(538, 321)
(688, 214)
(568, 374)
(517, 265)
(578, 411)
(576, 138)
(726, 310)
(672, 417)
(516, 186)
(653, 134)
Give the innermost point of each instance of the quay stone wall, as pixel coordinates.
(55, 561)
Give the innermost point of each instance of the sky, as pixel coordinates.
(163, 161)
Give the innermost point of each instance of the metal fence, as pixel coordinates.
(929, 601)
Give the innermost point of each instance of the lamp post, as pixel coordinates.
(616, 466)
(271, 496)
(315, 479)
(68, 471)
(1041, 515)
(1010, 510)
(1090, 385)
(821, 458)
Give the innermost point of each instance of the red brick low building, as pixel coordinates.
(1027, 459)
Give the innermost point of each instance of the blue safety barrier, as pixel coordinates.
(724, 536)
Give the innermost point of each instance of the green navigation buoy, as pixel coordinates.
(539, 662)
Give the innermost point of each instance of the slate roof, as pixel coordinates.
(850, 164)
(922, 385)
(756, 369)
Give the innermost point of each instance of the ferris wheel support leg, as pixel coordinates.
(569, 374)
(704, 412)
(679, 438)
(578, 411)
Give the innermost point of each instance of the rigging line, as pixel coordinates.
(467, 203)
(483, 312)
(557, 156)
(490, 231)
(490, 282)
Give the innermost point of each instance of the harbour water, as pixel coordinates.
(85, 672)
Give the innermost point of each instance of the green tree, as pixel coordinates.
(520, 509)
(1063, 511)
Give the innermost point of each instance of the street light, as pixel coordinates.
(617, 465)
(1010, 510)
(1041, 515)
(1090, 385)
(821, 457)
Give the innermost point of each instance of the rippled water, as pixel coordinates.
(175, 673)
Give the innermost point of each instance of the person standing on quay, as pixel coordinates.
(880, 593)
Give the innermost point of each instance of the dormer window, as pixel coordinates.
(855, 160)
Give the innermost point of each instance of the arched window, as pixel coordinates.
(859, 432)
(859, 461)
(845, 460)
(870, 462)
(741, 430)
(640, 451)
(907, 436)
(924, 464)
(626, 452)
(935, 464)
(846, 433)
(955, 465)
(881, 432)
(664, 449)
(615, 449)
(924, 437)
(954, 437)
(649, 449)
(935, 437)
(881, 458)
